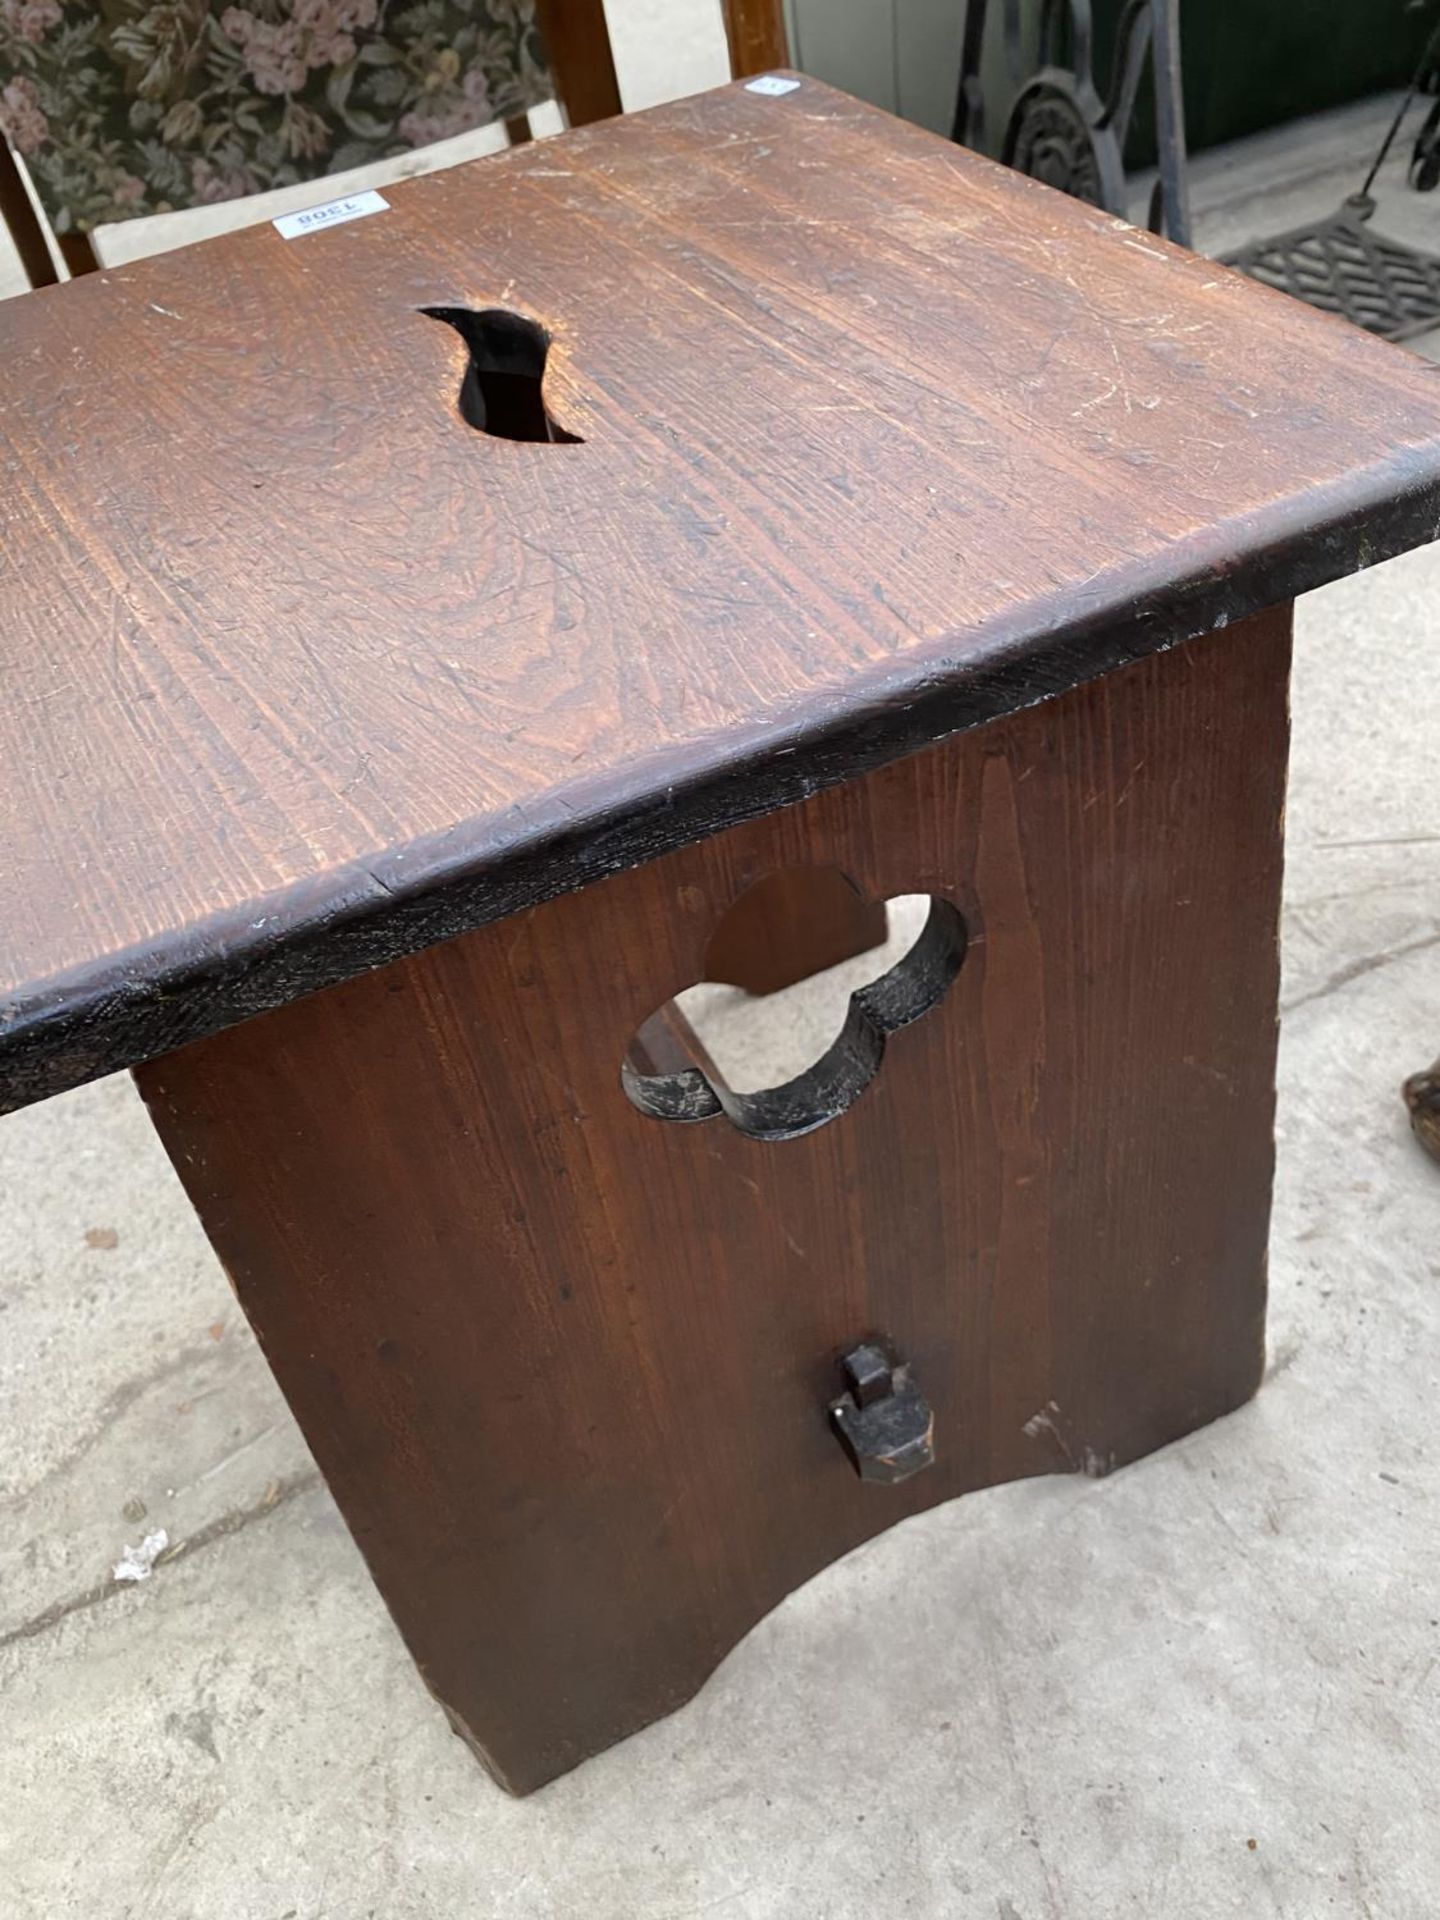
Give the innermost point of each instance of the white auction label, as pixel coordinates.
(771, 83)
(333, 214)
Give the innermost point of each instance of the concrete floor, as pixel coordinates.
(1208, 1686)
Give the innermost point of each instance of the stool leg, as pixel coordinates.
(566, 1366)
(791, 926)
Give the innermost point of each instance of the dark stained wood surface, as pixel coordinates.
(566, 1367)
(577, 40)
(301, 673)
(78, 252)
(22, 222)
(755, 34)
(790, 925)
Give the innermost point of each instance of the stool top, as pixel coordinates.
(302, 672)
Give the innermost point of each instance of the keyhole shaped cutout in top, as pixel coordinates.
(502, 390)
(830, 977)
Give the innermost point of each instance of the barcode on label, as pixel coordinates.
(332, 214)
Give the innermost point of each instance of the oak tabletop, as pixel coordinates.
(872, 440)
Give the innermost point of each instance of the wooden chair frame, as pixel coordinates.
(577, 37)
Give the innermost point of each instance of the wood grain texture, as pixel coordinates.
(790, 926)
(566, 1367)
(302, 674)
(577, 40)
(755, 34)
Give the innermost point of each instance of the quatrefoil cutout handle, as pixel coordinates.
(669, 1073)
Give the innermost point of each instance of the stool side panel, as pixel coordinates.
(565, 1366)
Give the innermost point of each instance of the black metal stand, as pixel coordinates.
(1340, 265)
(1063, 131)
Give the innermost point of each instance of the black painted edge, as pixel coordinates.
(129, 1008)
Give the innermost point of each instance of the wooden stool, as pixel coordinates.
(386, 744)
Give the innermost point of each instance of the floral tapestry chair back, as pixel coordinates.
(131, 107)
